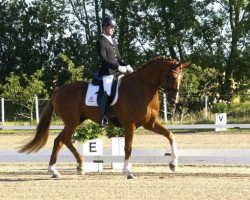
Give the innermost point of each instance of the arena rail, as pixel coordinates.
(183, 160)
(242, 158)
(181, 126)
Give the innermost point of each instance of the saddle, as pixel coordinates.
(94, 96)
(95, 91)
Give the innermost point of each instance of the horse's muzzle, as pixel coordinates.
(173, 97)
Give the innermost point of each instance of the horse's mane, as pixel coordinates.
(158, 58)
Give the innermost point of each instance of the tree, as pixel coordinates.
(76, 73)
(22, 91)
(32, 37)
(221, 37)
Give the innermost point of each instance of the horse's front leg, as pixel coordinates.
(129, 135)
(174, 154)
(158, 128)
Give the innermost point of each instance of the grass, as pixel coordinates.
(138, 131)
(27, 123)
(25, 132)
(233, 117)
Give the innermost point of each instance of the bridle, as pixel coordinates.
(169, 71)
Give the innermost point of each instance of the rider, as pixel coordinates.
(111, 63)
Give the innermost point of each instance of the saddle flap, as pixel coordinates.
(91, 96)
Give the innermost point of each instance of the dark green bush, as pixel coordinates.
(88, 131)
(114, 132)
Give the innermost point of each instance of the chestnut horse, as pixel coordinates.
(137, 105)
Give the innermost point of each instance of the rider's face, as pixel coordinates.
(109, 30)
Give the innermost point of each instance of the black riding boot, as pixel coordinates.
(103, 119)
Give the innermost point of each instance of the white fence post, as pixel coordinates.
(2, 106)
(37, 109)
(206, 102)
(165, 107)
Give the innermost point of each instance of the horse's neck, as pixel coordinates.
(145, 81)
(134, 85)
(152, 74)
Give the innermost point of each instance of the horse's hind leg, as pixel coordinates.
(64, 138)
(158, 128)
(56, 148)
(73, 150)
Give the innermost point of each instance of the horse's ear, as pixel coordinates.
(186, 64)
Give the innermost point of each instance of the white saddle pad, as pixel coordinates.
(91, 96)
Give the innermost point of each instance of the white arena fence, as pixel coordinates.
(141, 156)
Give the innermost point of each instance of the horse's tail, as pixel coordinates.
(42, 131)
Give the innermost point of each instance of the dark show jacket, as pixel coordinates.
(109, 56)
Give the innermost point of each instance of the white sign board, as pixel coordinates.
(220, 119)
(118, 144)
(92, 148)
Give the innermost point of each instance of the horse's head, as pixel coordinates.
(173, 81)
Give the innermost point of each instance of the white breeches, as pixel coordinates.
(107, 83)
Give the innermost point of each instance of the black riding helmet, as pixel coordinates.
(107, 20)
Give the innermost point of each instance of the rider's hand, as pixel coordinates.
(122, 69)
(129, 68)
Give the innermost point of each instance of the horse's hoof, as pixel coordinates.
(131, 176)
(56, 176)
(80, 172)
(172, 167)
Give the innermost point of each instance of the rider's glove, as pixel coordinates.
(129, 69)
(122, 69)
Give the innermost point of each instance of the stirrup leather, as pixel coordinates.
(103, 106)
